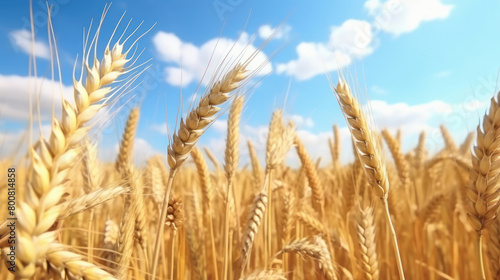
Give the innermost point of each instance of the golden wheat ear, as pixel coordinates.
(198, 119)
(483, 189)
(367, 148)
(315, 249)
(365, 232)
(50, 164)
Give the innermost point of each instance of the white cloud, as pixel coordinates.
(219, 126)
(177, 76)
(9, 142)
(143, 151)
(21, 40)
(15, 143)
(353, 39)
(402, 16)
(161, 128)
(193, 60)
(378, 90)
(301, 122)
(442, 74)
(15, 94)
(315, 143)
(313, 59)
(266, 31)
(413, 118)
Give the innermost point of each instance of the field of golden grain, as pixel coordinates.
(398, 215)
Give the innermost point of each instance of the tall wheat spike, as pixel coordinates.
(288, 211)
(231, 160)
(317, 250)
(369, 153)
(49, 166)
(279, 141)
(450, 144)
(190, 130)
(397, 154)
(483, 189)
(420, 151)
(207, 190)
(204, 175)
(91, 178)
(465, 146)
(127, 143)
(254, 218)
(257, 170)
(367, 244)
(318, 199)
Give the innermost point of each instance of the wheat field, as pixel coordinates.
(187, 215)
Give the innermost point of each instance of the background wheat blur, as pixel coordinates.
(185, 215)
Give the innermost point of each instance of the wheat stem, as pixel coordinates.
(393, 238)
(226, 231)
(480, 255)
(159, 225)
(172, 254)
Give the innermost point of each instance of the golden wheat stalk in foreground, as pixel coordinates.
(231, 160)
(483, 189)
(189, 132)
(52, 161)
(369, 153)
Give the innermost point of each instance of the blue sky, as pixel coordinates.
(419, 64)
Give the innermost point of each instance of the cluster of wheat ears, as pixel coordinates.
(417, 216)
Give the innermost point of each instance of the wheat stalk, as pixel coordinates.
(311, 222)
(450, 144)
(279, 141)
(50, 166)
(316, 250)
(207, 190)
(254, 218)
(365, 229)
(257, 170)
(204, 175)
(212, 159)
(190, 130)
(399, 159)
(465, 146)
(483, 192)
(60, 259)
(231, 159)
(125, 241)
(369, 154)
(90, 200)
(288, 210)
(420, 151)
(90, 172)
(127, 143)
(318, 199)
